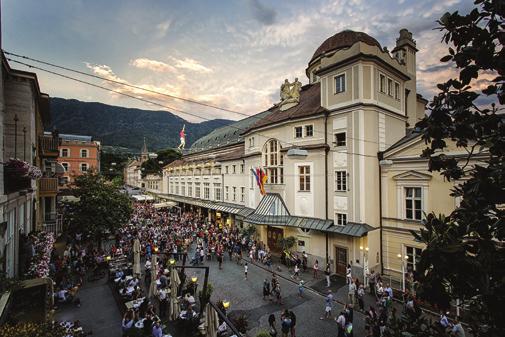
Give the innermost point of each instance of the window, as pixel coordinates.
(304, 176)
(252, 179)
(397, 90)
(65, 153)
(339, 83)
(217, 192)
(413, 204)
(340, 181)
(226, 169)
(84, 153)
(341, 219)
(197, 190)
(84, 167)
(226, 193)
(234, 169)
(309, 130)
(251, 142)
(65, 166)
(183, 189)
(273, 161)
(340, 139)
(390, 87)
(242, 194)
(176, 187)
(64, 180)
(234, 193)
(206, 190)
(241, 168)
(413, 257)
(298, 132)
(382, 83)
(190, 189)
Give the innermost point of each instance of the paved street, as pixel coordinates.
(246, 298)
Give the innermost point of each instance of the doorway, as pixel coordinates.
(274, 235)
(340, 260)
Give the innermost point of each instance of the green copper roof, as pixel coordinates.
(227, 135)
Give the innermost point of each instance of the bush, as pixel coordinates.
(263, 333)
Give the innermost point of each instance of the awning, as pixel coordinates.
(352, 229)
(142, 197)
(166, 204)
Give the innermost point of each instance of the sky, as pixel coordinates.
(230, 53)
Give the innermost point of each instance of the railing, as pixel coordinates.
(48, 184)
(49, 145)
(50, 217)
(53, 223)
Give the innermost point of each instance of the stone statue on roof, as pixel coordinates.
(290, 94)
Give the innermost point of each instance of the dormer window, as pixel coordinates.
(339, 83)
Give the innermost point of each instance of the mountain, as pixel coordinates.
(119, 127)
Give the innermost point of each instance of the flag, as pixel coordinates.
(261, 179)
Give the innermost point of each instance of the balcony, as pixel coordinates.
(49, 146)
(15, 183)
(53, 222)
(48, 186)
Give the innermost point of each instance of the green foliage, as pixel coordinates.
(464, 254)
(45, 329)
(101, 207)
(126, 127)
(155, 165)
(112, 164)
(287, 242)
(240, 322)
(263, 334)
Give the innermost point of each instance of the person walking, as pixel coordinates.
(371, 282)
(246, 267)
(327, 273)
(293, 324)
(296, 274)
(361, 295)
(348, 273)
(328, 303)
(305, 259)
(316, 268)
(266, 289)
(162, 296)
(285, 323)
(457, 329)
(341, 323)
(300, 288)
(272, 330)
(352, 292)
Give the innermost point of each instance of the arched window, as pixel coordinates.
(273, 161)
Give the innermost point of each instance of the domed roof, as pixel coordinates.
(344, 39)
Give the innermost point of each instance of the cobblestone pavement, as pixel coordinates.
(246, 298)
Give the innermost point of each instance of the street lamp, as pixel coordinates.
(171, 261)
(226, 305)
(194, 281)
(403, 259)
(364, 250)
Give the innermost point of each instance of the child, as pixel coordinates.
(245, 270)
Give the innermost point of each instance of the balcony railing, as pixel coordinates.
(54, 226)
(48, 185)
(50, 217)
(49, 145)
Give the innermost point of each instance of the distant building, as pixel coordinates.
(78, 155)
(133, 169)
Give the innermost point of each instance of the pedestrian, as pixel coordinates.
(278, 296)
(316, 268)
(328, 303)
(220, 260)
(361, 295)
(348, 274)
(305, 259)
(293, 323)
(245, 270)
(341, 324)
(457, 329)
(352, 292)
(296, 274)
(300, 288)
(285, 323)
(271, 324)
(327, 273)
(371, 282)
(266, 289)
(162, 295)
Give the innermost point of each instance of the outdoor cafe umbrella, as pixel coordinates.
(211, 321)
(175, 281)
(153, 288)
(136, 257)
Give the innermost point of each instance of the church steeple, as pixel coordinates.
(144, 154)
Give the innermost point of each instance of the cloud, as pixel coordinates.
(262, 13)
(190, 64)
(158, 66)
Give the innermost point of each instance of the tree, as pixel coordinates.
(155, 165)
(101, 208)
(464, 257)
(35, 329)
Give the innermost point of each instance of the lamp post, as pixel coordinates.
(364, 251)
(194, 281)
(226, 305)
(403, 259)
